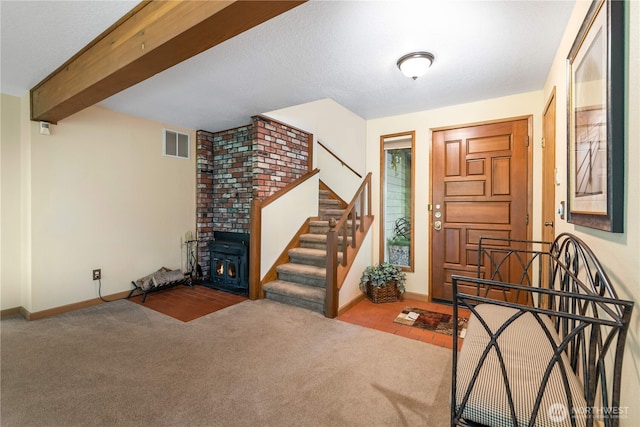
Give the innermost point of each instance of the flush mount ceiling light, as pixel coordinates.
(415, 64)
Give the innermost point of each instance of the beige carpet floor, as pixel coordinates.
(257, 363)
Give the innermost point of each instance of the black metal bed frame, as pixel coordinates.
(565, 282)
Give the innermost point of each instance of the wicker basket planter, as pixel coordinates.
(387, 293)
(383, 282)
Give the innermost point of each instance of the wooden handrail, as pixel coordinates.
(336, 273)
(339, 159)
(255, 233)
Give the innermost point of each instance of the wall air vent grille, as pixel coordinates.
(176, 144)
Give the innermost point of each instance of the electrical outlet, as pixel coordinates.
(97, 274)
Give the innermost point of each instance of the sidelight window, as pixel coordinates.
(396, 199)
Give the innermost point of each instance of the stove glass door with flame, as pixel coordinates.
(226, 271)
(229, 266)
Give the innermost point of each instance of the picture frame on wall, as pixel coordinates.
(595, 74)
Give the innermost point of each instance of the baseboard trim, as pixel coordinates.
(8, 312)
(119, 295)
(356, 300)
(418, 297)
(62, 309)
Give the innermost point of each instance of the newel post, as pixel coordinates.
(255, 238)
(331, 295)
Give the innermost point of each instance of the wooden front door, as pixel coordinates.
(480, 187)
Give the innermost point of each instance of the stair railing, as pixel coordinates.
(354, 224)
(342, 162)
(336, 173)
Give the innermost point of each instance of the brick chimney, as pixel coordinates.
(265, 156)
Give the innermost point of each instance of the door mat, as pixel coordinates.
(185, 303)
(431, 321)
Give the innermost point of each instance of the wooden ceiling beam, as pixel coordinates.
(153, 37)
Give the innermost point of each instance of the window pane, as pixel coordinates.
(396, 245)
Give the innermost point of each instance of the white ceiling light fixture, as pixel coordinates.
(415, 64)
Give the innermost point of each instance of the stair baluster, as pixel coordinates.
(336, 273)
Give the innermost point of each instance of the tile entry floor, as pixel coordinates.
(380, 317)
(184, 303)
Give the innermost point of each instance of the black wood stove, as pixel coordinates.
(229, 270)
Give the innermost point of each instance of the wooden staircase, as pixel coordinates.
(301, 281)
(313, 268)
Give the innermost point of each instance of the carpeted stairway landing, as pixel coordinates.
(257, 363)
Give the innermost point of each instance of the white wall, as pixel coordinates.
(100, 195)
(618, 252)
(10, 202)
(336, 175)
(283, 218)
(423, 122)
(342, 131)
(351, 287)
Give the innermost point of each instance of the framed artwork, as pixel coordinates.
(595, 73)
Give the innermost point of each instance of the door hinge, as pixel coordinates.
(527, 141)
(543, 143)
(527, 219)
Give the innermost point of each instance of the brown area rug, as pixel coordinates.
(431, 320)
(184, 303)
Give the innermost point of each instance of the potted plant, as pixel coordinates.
(399, 244)
(399, 250)
(383, 282)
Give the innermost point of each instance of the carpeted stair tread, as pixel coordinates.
(313, 237)
(309, 297)
(310, 256)
(318, 238)
(318, 241)
(309, 252)
(318, 227)
(329, 202)
(302, 269)
(314, 241)
(308, 275)
(325, 222)
(319, 222)
(310, 293)
(322, 227)
(336, 213)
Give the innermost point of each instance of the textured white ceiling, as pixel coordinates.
(344, 50)
(39, 36)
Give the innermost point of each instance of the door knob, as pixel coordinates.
(548, 223)
(437, 225)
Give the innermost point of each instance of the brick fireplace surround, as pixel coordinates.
(264, 156)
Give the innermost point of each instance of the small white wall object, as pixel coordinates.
(45, 128)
